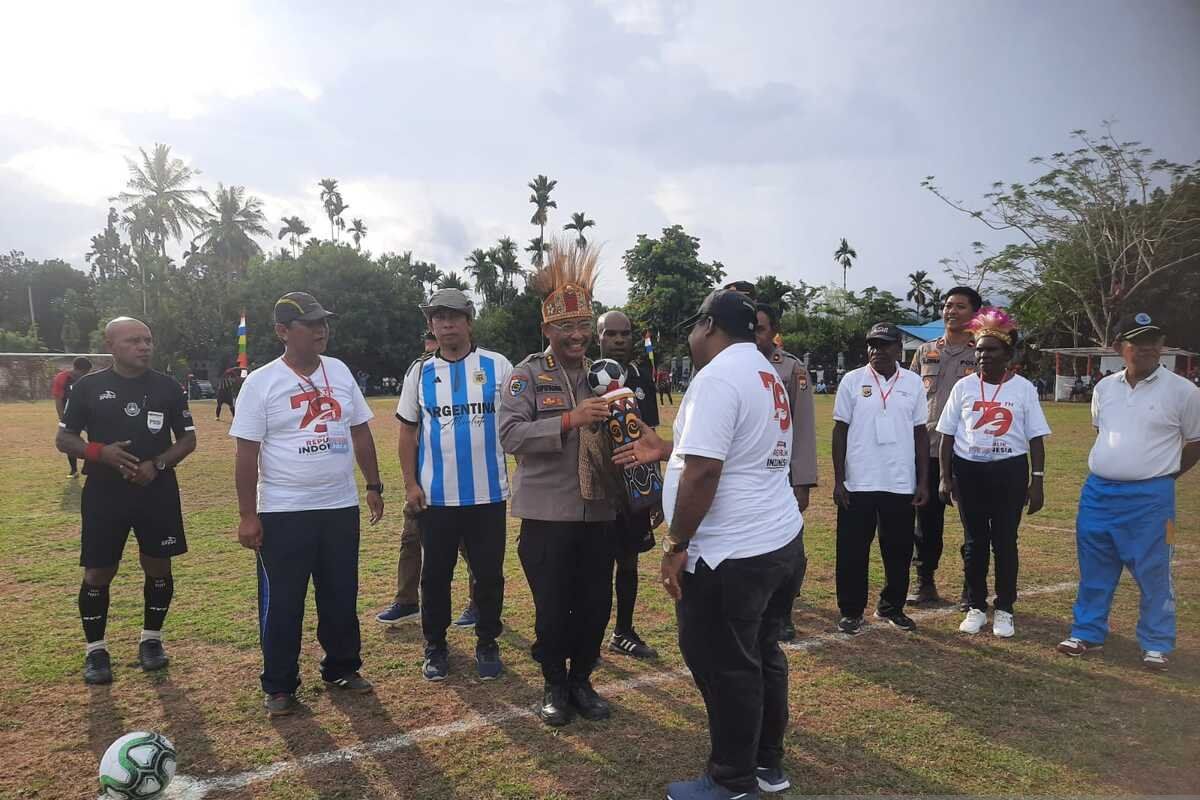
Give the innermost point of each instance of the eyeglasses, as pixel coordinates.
(583, 326)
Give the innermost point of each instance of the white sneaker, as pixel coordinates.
(973, 622)
(1002, 624)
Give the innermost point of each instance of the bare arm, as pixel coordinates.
(947, 491)
(60, 405)
(245, 479)
(1035, 495)
(1191, 455)
(368, 462)
(697, 488)
(406, 449)
(921, 440)
(840, 431)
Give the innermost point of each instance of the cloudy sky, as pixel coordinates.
(769, 130)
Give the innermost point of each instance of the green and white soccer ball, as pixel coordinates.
(138, 766)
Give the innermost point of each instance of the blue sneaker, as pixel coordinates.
(704, 789)
(468, 619)
(488, 663)
(436, 666)
(397, 613)
(771, 779)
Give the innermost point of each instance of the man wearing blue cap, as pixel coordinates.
(1148, 424)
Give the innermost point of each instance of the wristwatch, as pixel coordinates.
(375, 487)
(160, 465)
(671, 548)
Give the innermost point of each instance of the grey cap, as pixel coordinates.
(300, 306)
(452, 299)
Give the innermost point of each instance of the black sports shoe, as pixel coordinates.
(631, 644)
(555, 709)
(151, 655)
(488, 663)
(436, 666)
(788, 632)
(350, 682)
(583, 698)
(281, 704)
(898, 619)
(851, 625)
(97, 668)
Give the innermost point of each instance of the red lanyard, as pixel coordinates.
(999, 386)
(328, 391)
(883, 396)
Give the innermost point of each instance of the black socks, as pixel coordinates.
(93, 611)
(157, 593)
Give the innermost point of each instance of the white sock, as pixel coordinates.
(94, 646)
(148, 635)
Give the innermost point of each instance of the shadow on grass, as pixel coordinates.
(304, 735)
(72, 494)
(185, 726)
(105, 723)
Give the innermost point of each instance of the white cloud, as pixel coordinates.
(86, 176)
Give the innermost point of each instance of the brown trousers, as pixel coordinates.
(408, 566)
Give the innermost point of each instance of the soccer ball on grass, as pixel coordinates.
(605, 375)
(138, 766)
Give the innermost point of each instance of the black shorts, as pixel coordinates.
(633, 534)
(111, 508)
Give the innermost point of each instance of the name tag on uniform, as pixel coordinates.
(884, 432)
(154, 421)
(339, 436)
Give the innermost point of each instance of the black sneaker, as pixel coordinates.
(631, 644)
(583, 698)
(788, 632)
(151, 655)
(352, 682)
(436, 666)
(468, 618)
(97, 668)
(555, 709)
(851, 625)
(488, 663)
(281, 704)
(898, 620)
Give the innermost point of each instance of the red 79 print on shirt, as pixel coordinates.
(779, 395)
(320, 407)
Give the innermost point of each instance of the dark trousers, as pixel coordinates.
(892, 514)
(74, 464)
(225, 401)
(991, 498)
(801, 570)
(408, 565)
(729, 624)
(297, 545)
(569, 566)
(931, 523)
(479, 530)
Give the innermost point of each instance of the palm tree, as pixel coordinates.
(330, 195)
(293, 228)
(579, 222)
(936, 301)
(845, 256)
(541, 187)
(452, 280)
(312, 241)
(233, 220)
(538, 247)
(358, 232)
(337, 208)
(427, 272)
(920, 289)
(158, 194)
(483, 271)
(504, 256)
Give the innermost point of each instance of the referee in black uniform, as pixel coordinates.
(130, 413)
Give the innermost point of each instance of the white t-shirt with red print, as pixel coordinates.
(306, 458)
(991, 422)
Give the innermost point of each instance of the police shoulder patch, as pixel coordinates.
(517, 385)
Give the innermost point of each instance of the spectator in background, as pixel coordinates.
(227, 389)
(61, 389)
(662, 380)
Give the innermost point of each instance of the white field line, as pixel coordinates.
(184, 787)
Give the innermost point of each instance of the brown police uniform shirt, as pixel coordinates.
(940, 366)
(803, 470)
(546, 483)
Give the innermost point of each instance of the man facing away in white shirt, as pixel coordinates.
(1148, 434)
(731, 553)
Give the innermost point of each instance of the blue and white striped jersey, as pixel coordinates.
(459, 458)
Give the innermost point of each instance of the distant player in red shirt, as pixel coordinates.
(61, 389)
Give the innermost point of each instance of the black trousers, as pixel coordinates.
(991, 499)
(297, 545)
(893, 515)
(480, 531)
(931, 523)
(729, 623)
(569, 566)
(225, 400)
(801, 570)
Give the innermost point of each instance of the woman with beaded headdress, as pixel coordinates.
(993, 429)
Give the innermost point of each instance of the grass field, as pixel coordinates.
(931, 713)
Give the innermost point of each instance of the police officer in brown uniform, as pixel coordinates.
(566, 545)
(941, 364)
(802, 473)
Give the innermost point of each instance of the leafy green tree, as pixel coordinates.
(579, 223)
(920, 291)
(773, 292)
(159, 198)
(109, 256)
(541, 186)
(233, 221)
(15, 342)
(48, 282)
(293, 228)
(844, 256)
(331, 198)
(514, 329)
(537, 248)
(484, 274)
(452, 280)
(358, 232)
(504, 256)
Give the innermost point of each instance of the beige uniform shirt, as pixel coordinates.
(940, 366)
(803, 470)
(546, 483)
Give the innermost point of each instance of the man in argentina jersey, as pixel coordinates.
(455, 477)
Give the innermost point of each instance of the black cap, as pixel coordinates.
(300, 306)
(745, 287)
(732, 311)
(1132, 326)
(884, 332)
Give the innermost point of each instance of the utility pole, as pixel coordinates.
(32, 316)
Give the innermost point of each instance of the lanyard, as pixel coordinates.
(999, 386)
(883, 396)
(328, 391)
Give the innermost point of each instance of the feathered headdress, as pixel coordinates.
(995, 322)
(566, 280)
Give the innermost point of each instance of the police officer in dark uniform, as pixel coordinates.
(633, 532)
(130, 413)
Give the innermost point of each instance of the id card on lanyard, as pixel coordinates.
(885, 432)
